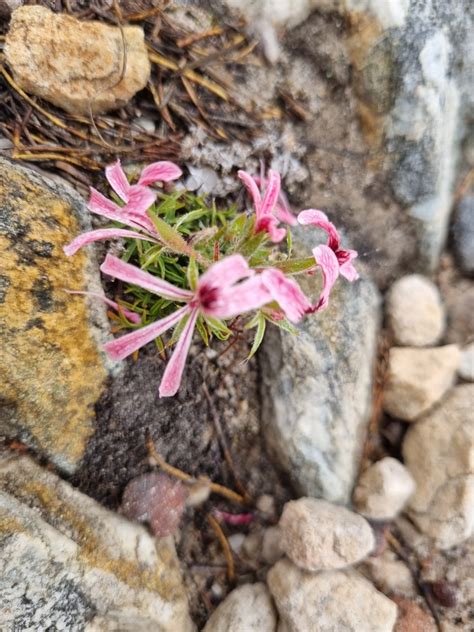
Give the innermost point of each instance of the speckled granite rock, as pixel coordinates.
(317, 390)
(77, 65)
(53, 371)
(66, 563)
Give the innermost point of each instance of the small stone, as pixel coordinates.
(329, 600)
(412, 618)
(248, 608)
(439, 452)
(383, 489)
(418, 379)
(252, 546)
(266, 504)
(318, 535)
(415, 313)
(76, 65)
(236, 541)
(463, 233)
(157, 499)
(445, 593)
(272, 549)
(390, 574)
(466, 365)
(146, 124)
(198, 493)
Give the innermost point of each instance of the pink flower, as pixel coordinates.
(228, 288)
(265, 206)
(137, 197)
(131, 316)
(331, 258)
(282, 208)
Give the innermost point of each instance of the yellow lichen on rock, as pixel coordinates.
(52, 371)
(77, 65)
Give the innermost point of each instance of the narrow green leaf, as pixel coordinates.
(192, 273)
(261, 325)
(293, 266)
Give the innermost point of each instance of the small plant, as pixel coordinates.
(188, 265)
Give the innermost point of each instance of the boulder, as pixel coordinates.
(329, 600)
(317, 535)
(66, 563)
(317, 390)
(77, 65)
(54, 371)
(439, 452)
(418, 379)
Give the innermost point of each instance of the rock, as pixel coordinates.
(383, 489)
(65, 559)
(463, 234)
(439, 452)
(466, 365)
(319, 536)
(7, 6)
(318, 602)
(317, 391)
(272, 545)
(157, 499)
(389, 574)
(248, 608)
(412, 618)
(418, 379)
(76, 65)
(415, 313)
(458, 296)
(54, 372)
(412, 66)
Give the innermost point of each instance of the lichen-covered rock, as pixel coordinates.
(383, 489)
(248, 608)
(439, 452)
(317, 535)
(415, 313)
(317, 390)
(53, 372)
(418, 378)
(65, 560)
(78, 66)
(329, 600)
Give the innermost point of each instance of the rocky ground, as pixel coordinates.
(328, 483)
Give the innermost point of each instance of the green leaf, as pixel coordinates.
(285, 325)
(293, 266)
(261, 325)
(192, 273)
(201, 327)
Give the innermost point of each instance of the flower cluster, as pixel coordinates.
(209, 267)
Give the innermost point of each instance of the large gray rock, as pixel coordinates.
(329, 600)
(316, 391)
(65, 560)
(439, 452)
(463, 233)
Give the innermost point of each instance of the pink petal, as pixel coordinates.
(346, 268)
(237, 299)
(139, 199)
(283, 213)
(118, 269)
(118, 180)
(252, 188)
(132, 316)
(174, 370)
(269, 224)
(319, 219)
(100, 205)
(122, 347)
(327, 261)
(272, 191)
(225, 272)
(99, 235)
(162, 171)
(287, 293)
(235, 520)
